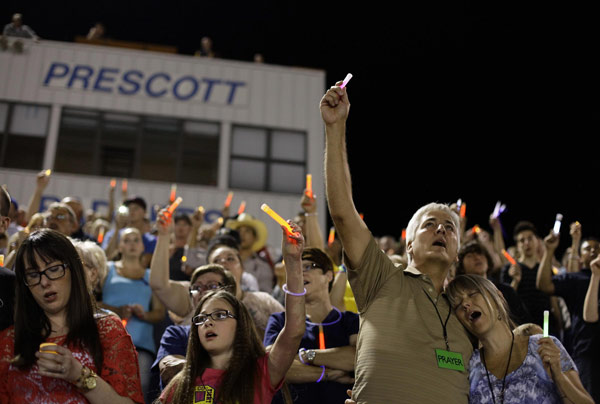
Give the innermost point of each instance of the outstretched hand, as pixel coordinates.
(292, 245)
(335, 105)
(164, 222)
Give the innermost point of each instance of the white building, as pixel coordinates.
(91, 113)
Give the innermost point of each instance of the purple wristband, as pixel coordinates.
(285, 289)
(322, 374)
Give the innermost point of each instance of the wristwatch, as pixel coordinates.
(310, 355)
(87, 380)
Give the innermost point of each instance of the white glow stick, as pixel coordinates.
(559, 219)
(346, 80)
(546, 321)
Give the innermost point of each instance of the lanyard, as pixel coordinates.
(443, 323)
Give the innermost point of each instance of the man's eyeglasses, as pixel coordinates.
(219, 315)
(309, 266)
(209, 286)
(53, 273)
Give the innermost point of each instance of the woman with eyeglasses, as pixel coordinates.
(170, 357)
(59, 351)
(127, 292)
(226, 361)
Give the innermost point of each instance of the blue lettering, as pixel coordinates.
(211, 216)
(234, 85)
(151, 79)
(210, 83)
(191, 94)
(101, 77)
(52, 73)
(128, 80)
(97, 203)
(86, 73)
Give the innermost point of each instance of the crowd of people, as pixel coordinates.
(116, 307)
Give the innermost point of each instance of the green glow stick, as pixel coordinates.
(546, 320)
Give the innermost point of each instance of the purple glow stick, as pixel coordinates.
(346, 80)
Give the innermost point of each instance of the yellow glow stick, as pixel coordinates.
(43, 344)
(48, 172)
(546, 322)
(331, 238)
(228, 199)
(183, 258)
(265, 208)
(309, 191)
(220, 221)
(1, 260)
(174, 205)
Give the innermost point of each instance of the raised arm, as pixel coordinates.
(590, 306)
(313, 236)
(353, 232)
(42, 181)
(173, 294)
(544, 275)
(286, 345)
(498, 238)
(573, 264)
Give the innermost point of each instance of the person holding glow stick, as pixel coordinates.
(319, 374)
(225, 355)
(522, 277)
(590, 315)
(509, 368)
(572, 287)
(396, 352)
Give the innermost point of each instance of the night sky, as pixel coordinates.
(477, 100)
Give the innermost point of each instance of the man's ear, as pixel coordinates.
(409, 247)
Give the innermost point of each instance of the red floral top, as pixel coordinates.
(120, 369)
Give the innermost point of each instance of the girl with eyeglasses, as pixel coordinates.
(59, 349)
(225, 360)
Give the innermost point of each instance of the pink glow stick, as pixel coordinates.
(346, 80)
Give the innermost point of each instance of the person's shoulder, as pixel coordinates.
(6, 274)
(177, 329)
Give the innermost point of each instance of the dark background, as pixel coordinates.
(479, 100)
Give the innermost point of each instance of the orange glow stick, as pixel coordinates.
(174, 205)
(228, 199)
(403, 234)
(101, 235)
(321, 338)
(48, 172)
(265, 208)
(309, 191)
(124, 186)
(43, 344)
(509, 258)
(242, 207)
(463, 210)
(1, 260)
(331, 238)
(173, 194)
(362, 216)
(124, 321)
(113, 183)
(476, 229)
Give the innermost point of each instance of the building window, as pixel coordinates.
(24, 129)
(267, 160)
(133, 146)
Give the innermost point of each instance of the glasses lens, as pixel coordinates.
(55, 272)
(199, 319)
(32, 278)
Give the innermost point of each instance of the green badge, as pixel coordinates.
(449, 360)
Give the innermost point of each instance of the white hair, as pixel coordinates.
(413, 224)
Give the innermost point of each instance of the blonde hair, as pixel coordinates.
(492, 296)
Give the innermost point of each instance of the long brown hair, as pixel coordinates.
(240, 377)
(32, 325)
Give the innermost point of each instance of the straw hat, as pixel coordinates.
(244, 219)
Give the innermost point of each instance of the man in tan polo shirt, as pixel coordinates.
(411, 348)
